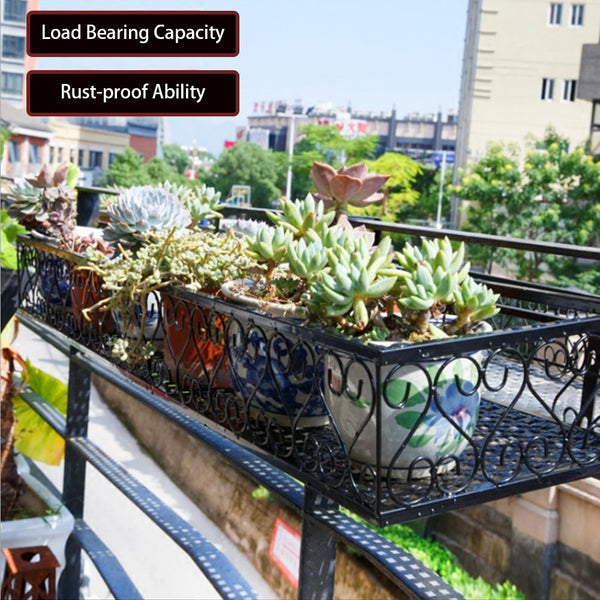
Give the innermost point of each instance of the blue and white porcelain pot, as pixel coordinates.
(273, 373)
(424, 413)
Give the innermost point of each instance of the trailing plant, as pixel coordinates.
(200, 260)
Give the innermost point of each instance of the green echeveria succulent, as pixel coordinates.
(142, 210)
(303, 217)
(351, 289)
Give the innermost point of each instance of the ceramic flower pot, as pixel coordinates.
(133, 322)
(273, 374)
(194, 348)
(86, 290)
(423, 413)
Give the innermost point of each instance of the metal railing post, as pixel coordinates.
(317, 553)
(80, 381)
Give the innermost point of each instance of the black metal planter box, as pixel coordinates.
(392, 433)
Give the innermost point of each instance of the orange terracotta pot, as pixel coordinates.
(194, 344)
(86, 290)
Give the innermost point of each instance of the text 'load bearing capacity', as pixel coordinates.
(127, 33)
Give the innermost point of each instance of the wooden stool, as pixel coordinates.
(30, 574)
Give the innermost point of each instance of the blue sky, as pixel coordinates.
(372, 55)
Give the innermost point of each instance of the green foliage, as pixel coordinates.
(128, 169)
(9, 232)
(548, 195)
(176, 157)
(443, 562)
(248, 164)
(5, 134)
(399, 191)
(33, 436)
(434, 556)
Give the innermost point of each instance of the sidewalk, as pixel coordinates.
(157, 566)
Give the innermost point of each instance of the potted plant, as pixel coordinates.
(152, 256)
(423, 412)
(45, 205)
(274, 376)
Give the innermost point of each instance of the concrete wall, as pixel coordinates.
(546, 542)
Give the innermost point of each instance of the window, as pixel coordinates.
(14, 151)
(12, 83)
(111, 157)
(95, 159)
(34, 154)
(14, 10)
(555, 14)
(577, 15)
(80, 157)
(13, 46)
(569, 89)
(59, 154)
(547, 89)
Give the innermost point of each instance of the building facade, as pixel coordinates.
(28, 147)
(413, 134)
(520, 72)
(13, 58)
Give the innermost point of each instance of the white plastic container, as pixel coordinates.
(50, 530)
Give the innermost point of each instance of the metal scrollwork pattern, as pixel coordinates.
(387, 431)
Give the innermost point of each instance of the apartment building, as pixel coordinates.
(13, 58)
(520, 72)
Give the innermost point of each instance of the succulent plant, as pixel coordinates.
(140, 211)
(202, 202)
(436, 277)
(351, 291)
(303, 217)
(347, 185)
(45, 204)
(349, 284)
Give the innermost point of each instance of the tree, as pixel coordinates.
(247, 163)
(325, 143)
(128, 169)
(399, 190)
(552, 195)
(159, 171)
(175, 156)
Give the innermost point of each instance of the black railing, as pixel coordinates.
(391, 433)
